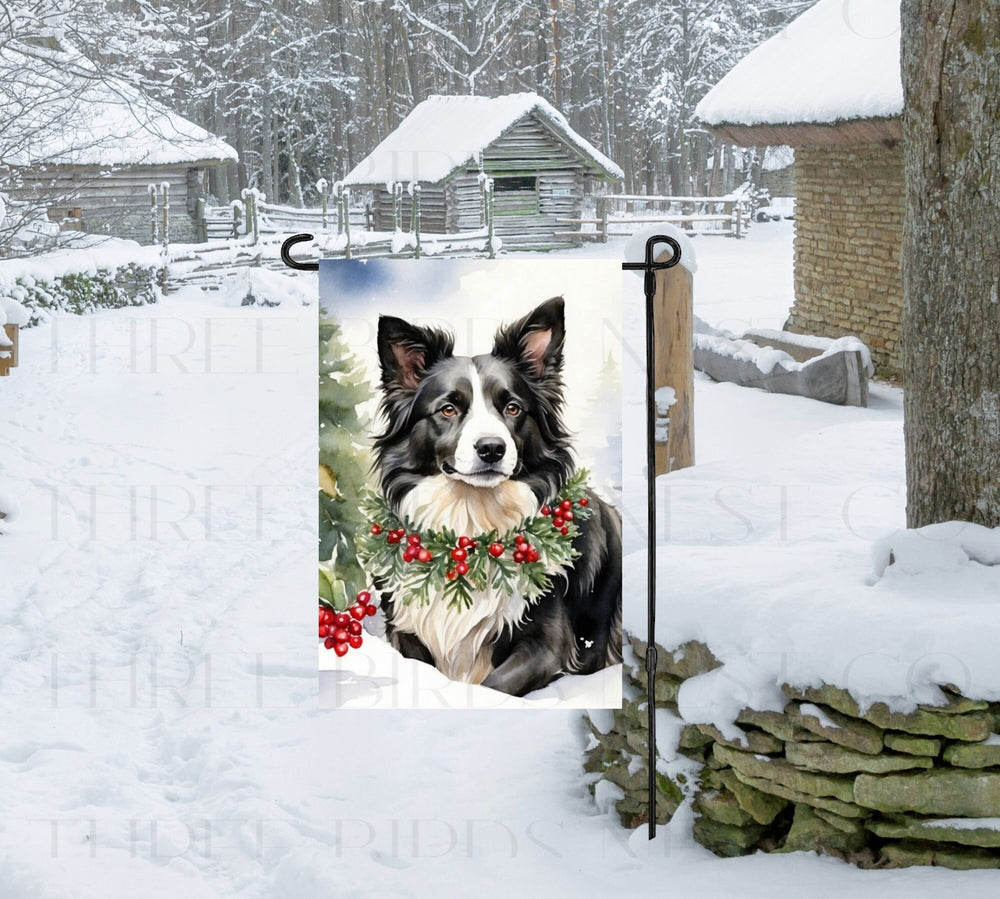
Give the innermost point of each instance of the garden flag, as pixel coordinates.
(470, 483)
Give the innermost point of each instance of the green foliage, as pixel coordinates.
(416, 581)
(83, 292)
(343, 386)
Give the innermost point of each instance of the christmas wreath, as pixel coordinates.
(418, 564)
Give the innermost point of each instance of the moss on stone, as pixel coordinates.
(833, 759)
(912, 745)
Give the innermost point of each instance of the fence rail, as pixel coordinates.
(343, 228)
(620, 215)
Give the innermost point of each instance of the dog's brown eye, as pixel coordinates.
(449, 411)
(512, 409)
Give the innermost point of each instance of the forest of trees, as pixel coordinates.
(306, 90)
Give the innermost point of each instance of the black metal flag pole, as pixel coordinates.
(650, 267)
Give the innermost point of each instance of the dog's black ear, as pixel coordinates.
(535, 341)
(407, 351)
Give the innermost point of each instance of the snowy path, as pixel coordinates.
(157, 678)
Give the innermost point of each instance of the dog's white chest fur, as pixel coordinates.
(461, 640)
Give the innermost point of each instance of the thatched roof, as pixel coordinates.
(57, 108)
(831, 77)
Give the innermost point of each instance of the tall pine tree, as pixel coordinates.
(343, 465)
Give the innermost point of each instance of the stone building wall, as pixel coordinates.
(872, 786)
(779, 182)
(848, 239)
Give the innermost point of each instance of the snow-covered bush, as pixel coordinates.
(83, 292)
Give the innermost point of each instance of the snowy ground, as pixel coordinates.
(158, 682)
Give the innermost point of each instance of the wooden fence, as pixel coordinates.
(342, 228)
(621, 215)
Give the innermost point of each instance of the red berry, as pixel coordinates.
(475, 545)
(518, 556)
(376, 530)
(564, 531)
(371, 610)
(568, 516)
(340, 649)
(341, 619)
(462, 568)
(413, 540)
(558, 521)
(566, 504)
(459, 555)
(533, 555)
(545, 510)
(496, 550)
(392, 538)
(410, 553)
(465, 542)
(424, 555)
(324, 630)
(354, 641)
(354, 627)
(519, 539)
(340, 634)
(357, 612)
(329, 642)
(583, 502)
(364, 597)
(451, 574)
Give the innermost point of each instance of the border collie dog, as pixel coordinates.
(476, 444)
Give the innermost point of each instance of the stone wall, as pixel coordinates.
(779, 182)
(874, 787)
(848, 239)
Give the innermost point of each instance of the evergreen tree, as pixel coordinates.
(343, 467)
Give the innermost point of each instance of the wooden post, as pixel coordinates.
(8, 362)
(674, 365)
(254, 221)
(345, 200)
(602, 214)
(165, 208)
(416, 220)
(489, 219)
(200, 223)
(153, 219)
(397, 206)
(321, 187)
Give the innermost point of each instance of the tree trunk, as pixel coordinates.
(951, 260)
(267, 184)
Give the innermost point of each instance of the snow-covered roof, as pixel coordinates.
(58, 108)
(447, 132)
(836, 62)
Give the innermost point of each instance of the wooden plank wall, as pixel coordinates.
(116, 203)
(528, 149)
(432, 209)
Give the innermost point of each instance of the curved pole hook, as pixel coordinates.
(286, 255)
(649, 266)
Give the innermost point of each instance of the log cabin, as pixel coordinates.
(84, 146)
(541, 168)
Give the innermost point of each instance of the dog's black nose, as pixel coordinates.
(490, 449)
